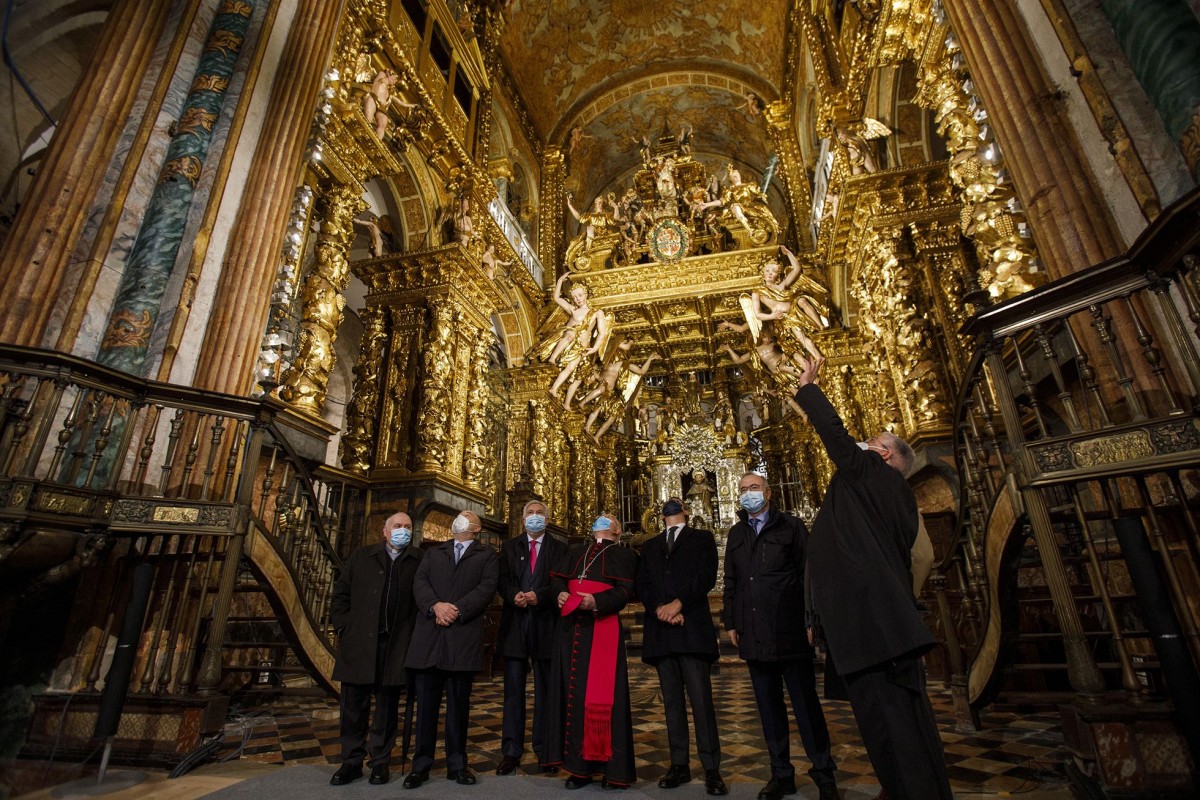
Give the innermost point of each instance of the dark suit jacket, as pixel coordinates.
(764, 588)
(522, 627)
(689, 572)
(354, 612)
(861, 551)
(470, 585)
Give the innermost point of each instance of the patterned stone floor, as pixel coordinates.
(1015, 753)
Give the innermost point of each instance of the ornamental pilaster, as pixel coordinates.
(551, 207)
(476, 449)
(782, 127)
(437, 375)
(357, 448)
(400, 407)
(322, 301)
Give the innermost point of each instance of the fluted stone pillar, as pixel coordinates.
(235, 329)
(36, 256)
(1071, 221)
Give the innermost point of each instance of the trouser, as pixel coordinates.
(675, 675)
(516, 676)
(430, 685)
(769, 679)
(358, 724)
(899, 730)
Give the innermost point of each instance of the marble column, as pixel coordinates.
(35, 258)
(1071, 220)
(235, 329)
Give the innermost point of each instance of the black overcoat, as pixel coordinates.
(533, 624)
(764, 588)
(688, 572)
(354, 612)
(470, 585)
(861, 551)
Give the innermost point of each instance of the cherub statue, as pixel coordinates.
(489, 262)
(644, 148)
(795, 315)
(379, 97)
(590, 336)
(752, 105)
(765, 355)
(595, 221)
(575, 138)
(615, 370)
(612, 403)
(578, 312)
(370, 223)
(859, 153)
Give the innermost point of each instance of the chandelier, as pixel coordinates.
(696, 447)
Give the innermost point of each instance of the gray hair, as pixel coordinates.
(904, 453)
(525, 510)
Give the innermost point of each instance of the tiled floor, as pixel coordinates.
(1014, 753)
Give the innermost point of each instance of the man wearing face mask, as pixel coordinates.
(764, 594)
(452, 589)
(589, 679)
(527, 625)
(677, 571)
(861, 600)
(373, 612)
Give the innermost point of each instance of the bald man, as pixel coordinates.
(453, 587)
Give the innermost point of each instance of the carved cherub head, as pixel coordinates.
(579, 295)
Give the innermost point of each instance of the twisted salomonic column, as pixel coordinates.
(35, 258)
(1071, 221)
(322, 302)
(234, 333)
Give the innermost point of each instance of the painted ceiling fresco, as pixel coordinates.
(598, 75)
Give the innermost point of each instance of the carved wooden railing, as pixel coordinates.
(1079, 410)
(199, 484)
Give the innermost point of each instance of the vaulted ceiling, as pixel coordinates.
(622, 69)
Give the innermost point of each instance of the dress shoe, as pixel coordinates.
(575, 782)
(464, 776)
(676, 775)
(611, 787)
(776, 788)
(549, 769)
(714, 784)
(414, 779)
(828, 791)
(345, 774)
(379, 775)
(508, 764)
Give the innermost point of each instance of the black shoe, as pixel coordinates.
(776, 788)
(575, 782)
(508, 765)
(714, 784)
(464, 776)
(676, 775)
(612, 787)
(414, 779)
(828, 791)
(379, 775)
(345, 774)
(549, 769)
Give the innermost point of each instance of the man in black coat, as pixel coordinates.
(860, 556)
(453, 587)
(373, 612)
(764, 595)
(527, 624)
(677, 571)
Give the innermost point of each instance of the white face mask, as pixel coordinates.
(461, 523)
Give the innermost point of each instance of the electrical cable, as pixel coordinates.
(12, 65)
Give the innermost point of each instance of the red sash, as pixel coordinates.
(602, 673)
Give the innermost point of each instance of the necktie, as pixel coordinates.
(458, 551)
(756, 522)
(532, 555)
(671, 537)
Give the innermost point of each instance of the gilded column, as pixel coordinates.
(1066, 208)
(395, 447)
(783, 134)
(234, 333)
(322, 302)
(552, 206)
(152, 257)
(606, 480)
(476, 452)
(358, 444)
(35, 258)
(437, 374)
(939, 247)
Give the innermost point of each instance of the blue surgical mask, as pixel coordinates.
(753, 502)
(400, 537)
(602, 524)
(535, 523)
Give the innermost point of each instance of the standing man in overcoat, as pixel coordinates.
(764, 595)
(373, 612)
(453, 587)
(860, 560)
(677, 571)
(527, 624)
